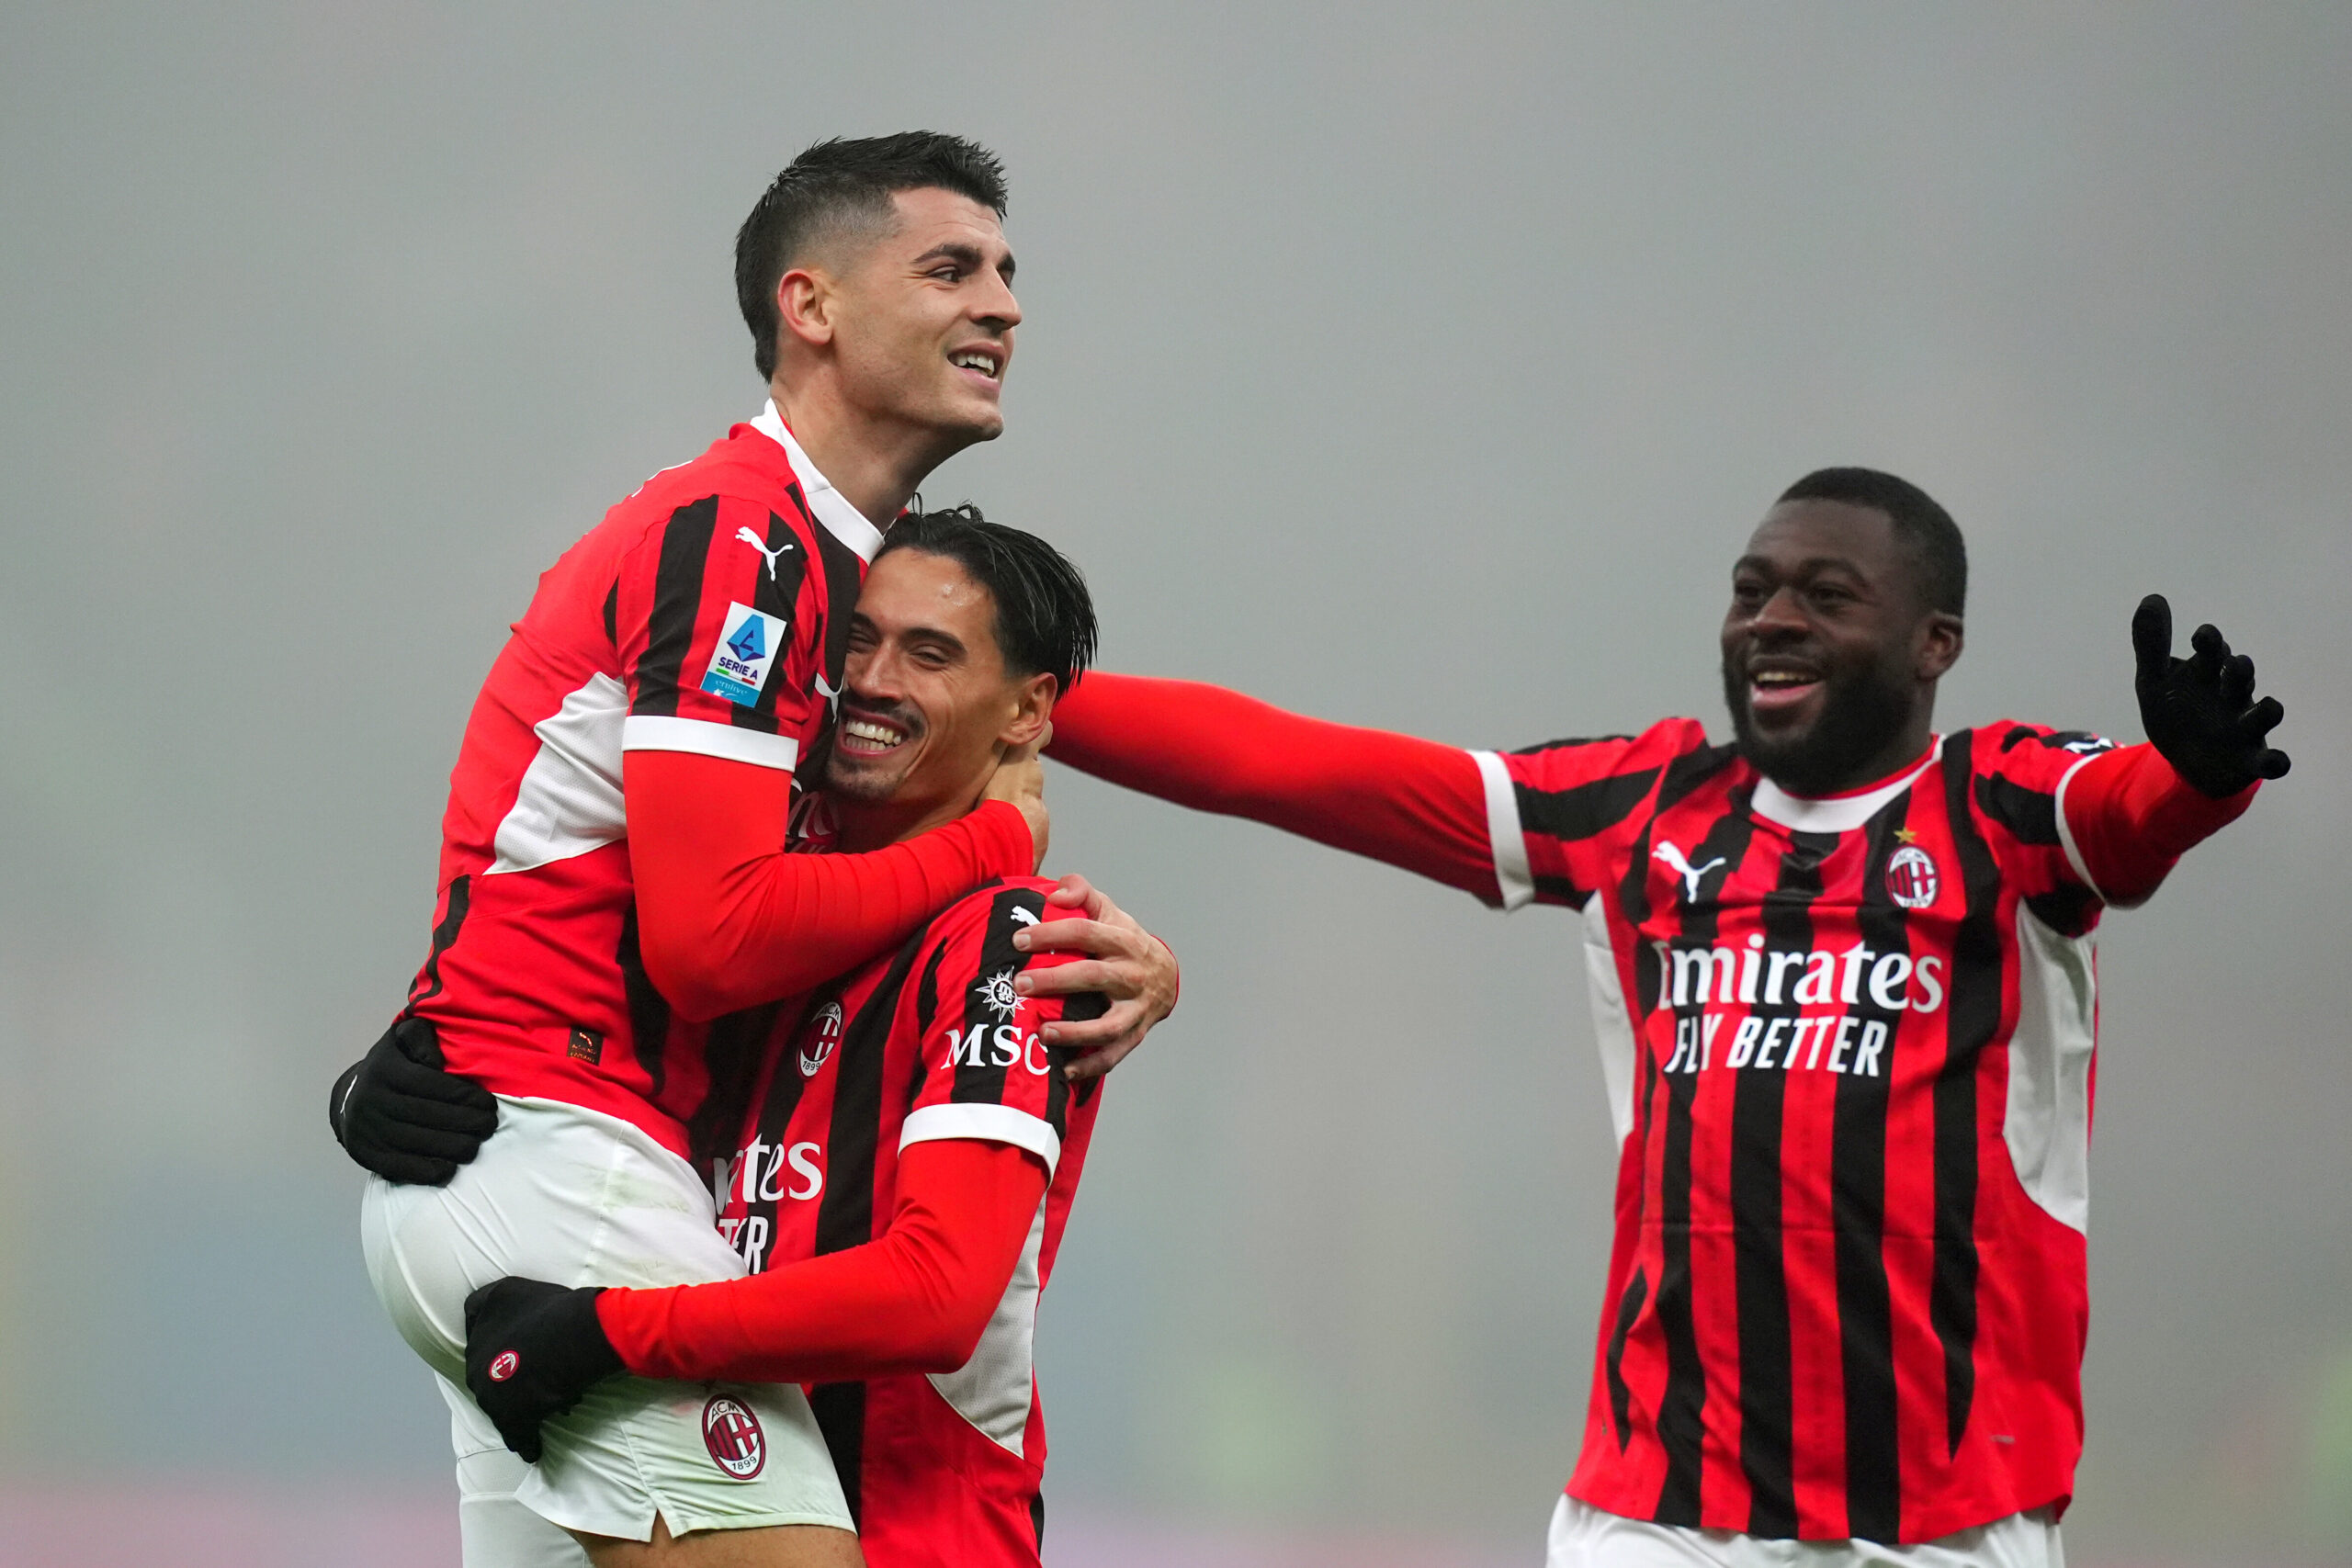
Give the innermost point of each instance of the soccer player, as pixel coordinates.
(908, 1157)
(618, 917)
(1841, 973)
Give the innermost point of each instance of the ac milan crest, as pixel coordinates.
(503, 1365)
(1911, 877)
(732, 1435)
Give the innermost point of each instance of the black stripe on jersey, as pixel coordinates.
(785, 1090)
(677, 605)
(1582, 810)
(1681, 1411)
(648, 1009)
(445, 936)
(776, 590)
(1974, 1017)
(926, 1009)
(1079, 1008)
(840, 1409)
(2066, 908)
(845, 1213)
(845, 575)
(732, 1051)
(989, 1002)
(1767, 1370)
(613, 614)
(1037, 1518)
(1621, 1395)
(2081, 742)
(1569, 740)
(2029, 815)
(1858, 1135)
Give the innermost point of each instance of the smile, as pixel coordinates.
(986, 362)
(1772, 691)
(868, 738)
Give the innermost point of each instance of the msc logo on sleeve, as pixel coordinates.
(749, 641)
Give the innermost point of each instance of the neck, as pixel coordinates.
(865, 824)
(874, 461)
(1905, 748)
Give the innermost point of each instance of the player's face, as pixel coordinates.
(1829, 657)
(927, 705)
(924, 317)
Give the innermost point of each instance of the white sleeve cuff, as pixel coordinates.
(2066, 831)
(648, 732)
(989, 1123)
(1507, 839)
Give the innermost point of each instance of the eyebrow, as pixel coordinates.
(1810, 563)
(967, 254)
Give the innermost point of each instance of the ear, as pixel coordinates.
(1939, 646)
(805, 303)
(1033, 711)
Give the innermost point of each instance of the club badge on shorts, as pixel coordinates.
(749, 641)
(732, 1435)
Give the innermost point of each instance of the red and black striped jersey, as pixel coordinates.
(1849, 1050)
(707, 613)
(929, 1043)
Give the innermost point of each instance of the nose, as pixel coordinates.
(1779, 616)
(997, 309)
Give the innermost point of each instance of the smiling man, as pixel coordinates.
(618, 913)
(1841, 975)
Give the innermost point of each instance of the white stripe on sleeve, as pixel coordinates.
(1508, 839)
(989, 1122)
(652, 732)
(2066, 831)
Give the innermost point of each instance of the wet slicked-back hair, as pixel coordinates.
(838, 184)
(1044, 617)
(1938, 552)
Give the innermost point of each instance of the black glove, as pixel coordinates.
(532, 1349)
(2200, 712)
(397, 1112)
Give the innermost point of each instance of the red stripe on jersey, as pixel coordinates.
(931, 1041)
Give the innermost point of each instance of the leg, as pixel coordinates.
(776, 1546)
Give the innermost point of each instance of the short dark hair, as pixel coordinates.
(1938, 551)
(1044, 617)
(844, 182)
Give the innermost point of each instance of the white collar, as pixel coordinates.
(1839, 813)
(828, 506)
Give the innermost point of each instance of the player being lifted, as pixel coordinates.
(1841, 974)
(618, 916)
(908, 1155)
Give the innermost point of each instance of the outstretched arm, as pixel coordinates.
(2131, 814)
(1414, 804)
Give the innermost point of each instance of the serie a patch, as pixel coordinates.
(749, 641)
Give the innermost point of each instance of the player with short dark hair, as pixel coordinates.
(1842, 978)
(616, 905)
(911, 1144)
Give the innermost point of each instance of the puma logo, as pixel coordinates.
(1021, 917)
(760, 545)
(1690, 874)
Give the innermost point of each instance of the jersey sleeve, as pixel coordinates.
(2020, 776)
(719, 620)
(985, 1072)
(1560, 814)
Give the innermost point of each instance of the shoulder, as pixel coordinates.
(1676, 746)
(989, 915)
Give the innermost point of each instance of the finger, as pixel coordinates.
(2261, 718)
(409, 1170)
(2152, 636)
(2211, 649)
(427, 1142)
(1074, 892)
(2237, 681)
(1095, 1062)
(1093, 938)
(2271, 764)
(416, 1039)
(416, 1081)
(1120, 982)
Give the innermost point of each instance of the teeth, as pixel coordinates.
(982, 363)
(880, 735)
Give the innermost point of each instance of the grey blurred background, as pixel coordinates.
(1421, 366)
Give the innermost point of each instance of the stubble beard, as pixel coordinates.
(1859, 715)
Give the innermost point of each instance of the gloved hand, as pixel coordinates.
(532, 1349)
(398, 1113)
(2200, 712)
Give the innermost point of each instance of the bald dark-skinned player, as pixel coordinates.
(1841, 974)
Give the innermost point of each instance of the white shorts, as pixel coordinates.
(579, 1198)
(1587, 1537)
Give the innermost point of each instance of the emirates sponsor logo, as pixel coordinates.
(1838, 1041)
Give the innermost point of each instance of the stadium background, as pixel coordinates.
(1415, 366)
